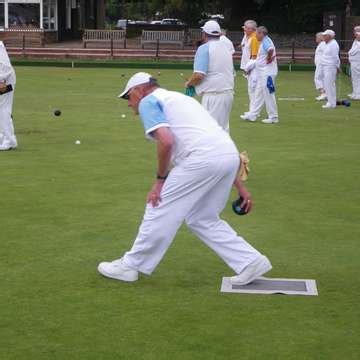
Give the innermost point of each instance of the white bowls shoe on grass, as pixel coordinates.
(254, 270)
(246, 117)
(328, 106)
(353, 97)
(270, 121)
(321, 97)
(118, 270)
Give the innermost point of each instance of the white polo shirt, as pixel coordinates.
(331, 54)
(354, 53)
(319, 52)
(245, 52)
(262, 66)
(7, 72)
(215, 61)
(229, 44)
(194, 130)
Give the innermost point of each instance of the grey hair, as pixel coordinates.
(263, 30)
(153, 82)
(251, 23)
(319, 33)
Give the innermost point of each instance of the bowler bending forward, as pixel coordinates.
(195, 191)
(7, 86)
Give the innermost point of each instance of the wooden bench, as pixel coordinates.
(162, 37)
(23, 37)
(235, 36)
(99, 36)
(194, 36)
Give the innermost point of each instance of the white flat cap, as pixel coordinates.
(212, 27)
(136, 80)
(329, 32)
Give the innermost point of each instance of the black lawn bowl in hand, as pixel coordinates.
(236, 206)
(57, 112)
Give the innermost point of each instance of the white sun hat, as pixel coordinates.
(139, 78)
(329, 32)
(212, 27)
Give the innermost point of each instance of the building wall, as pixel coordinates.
(350, 23)
(100, 15)
(92, 14)
(88, 14)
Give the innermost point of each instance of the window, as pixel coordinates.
(2, 15)
(50, 15)
(24, 16)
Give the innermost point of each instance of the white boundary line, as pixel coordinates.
(291, 98)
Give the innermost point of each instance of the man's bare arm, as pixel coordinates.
(247, 203)
(195, 79)
(3, 86)
(165, 142)
(270, 56)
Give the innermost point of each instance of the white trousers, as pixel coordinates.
(319, 77)
(7, 133)
(330, 84)
(195, 192)
(219, 106)
(262, 95)
(355, 79)
(252, 81)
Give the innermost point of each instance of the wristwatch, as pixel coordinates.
(158, 177)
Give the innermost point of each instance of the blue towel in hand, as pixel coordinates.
(270, 85)
(190, 91)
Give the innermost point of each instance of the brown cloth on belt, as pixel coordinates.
(244, 166)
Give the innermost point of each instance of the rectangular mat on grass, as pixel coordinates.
(272, 286)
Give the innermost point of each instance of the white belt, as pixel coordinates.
(218, 92)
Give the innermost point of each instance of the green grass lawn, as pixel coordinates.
(66, 207)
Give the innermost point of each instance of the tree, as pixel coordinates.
(287, 16)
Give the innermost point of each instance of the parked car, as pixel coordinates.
(170, 22)
(121, 24)
(217, 17)
(156, 22)
(206, 17)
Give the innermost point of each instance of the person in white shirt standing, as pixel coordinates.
(354, 59)
(213, 76)
(194, 191)
(228, 43)
(319, 74)
(330, 63)
(7, 86)
(266, 72)
(249, 51)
